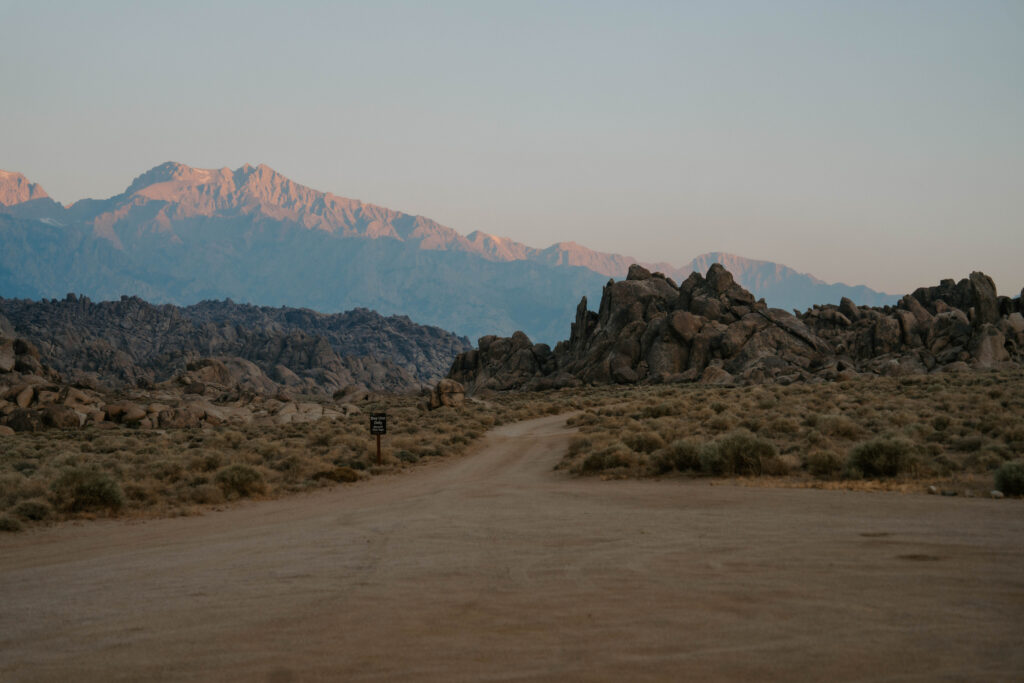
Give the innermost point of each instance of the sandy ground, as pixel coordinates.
(493, 567)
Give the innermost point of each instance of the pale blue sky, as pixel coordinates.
(876, 143)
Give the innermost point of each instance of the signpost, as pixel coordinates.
(378, 426)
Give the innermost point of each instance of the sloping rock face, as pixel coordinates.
(133, 343)
(709, 329)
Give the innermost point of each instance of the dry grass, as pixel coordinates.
(953, 430)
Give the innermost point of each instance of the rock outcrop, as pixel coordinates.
(709, 329)
(211, 392)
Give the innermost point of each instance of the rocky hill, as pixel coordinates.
(131, 342)
(710, 329)
(179, 234)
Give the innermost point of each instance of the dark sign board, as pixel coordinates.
(378, 423)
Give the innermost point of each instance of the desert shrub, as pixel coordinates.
(940, 422)
(840, 426)
(338, 474)
(240, 480)
(969, 444)
(681, 455)
(1009, 478)
(883, 457)
(8, 523)
(34, 509)
(206, 494)
(721, 422)
(737, 453)
(616, 455)
(407, 456)
(80, 489)
(659, 410)
(781, 426)
(782, 465)
(825, 464)
(644, 442)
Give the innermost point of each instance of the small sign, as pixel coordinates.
(378, 423)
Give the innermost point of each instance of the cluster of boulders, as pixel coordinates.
(953, 326)
(212, 391)
(711, 330)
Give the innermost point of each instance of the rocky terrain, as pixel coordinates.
(208, 392)
(709, 329)
(179, 234)
(133, 343)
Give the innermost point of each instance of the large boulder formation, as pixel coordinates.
(711, 330)
(648, 329)
(963, 322)
(500, 363)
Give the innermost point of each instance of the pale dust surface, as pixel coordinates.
(494, 567)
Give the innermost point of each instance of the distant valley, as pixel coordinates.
(180, 235)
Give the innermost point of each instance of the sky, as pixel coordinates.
(876, 142)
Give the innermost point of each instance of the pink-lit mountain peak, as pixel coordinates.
(16, 189)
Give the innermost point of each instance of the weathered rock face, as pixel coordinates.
(133, 343)
(709, 329)
(447, 394)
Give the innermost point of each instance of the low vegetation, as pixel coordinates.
(55, 475)
(957, 431)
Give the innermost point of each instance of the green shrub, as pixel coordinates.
(883, 457)
(1010, 478)
(80, 489)
(34, 509)
(240, 480)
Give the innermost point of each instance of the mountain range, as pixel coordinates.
(179, 234)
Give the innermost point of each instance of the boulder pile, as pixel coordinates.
(709, 329)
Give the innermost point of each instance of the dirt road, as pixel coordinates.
(493, 567)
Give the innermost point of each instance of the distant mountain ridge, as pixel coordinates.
(132, 342)
(181, 234)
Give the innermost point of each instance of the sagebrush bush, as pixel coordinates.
(739, 453)
(825, 464)
(34, 509)
(8, 523)
(883, 457)
(680, 455)
(240, 480)
(644, 442)
(1009, 478)
(81, 489)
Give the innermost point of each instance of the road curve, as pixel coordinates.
(494, 567)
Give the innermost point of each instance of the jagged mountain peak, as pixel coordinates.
(17, 189)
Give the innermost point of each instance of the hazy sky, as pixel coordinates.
(877, 143)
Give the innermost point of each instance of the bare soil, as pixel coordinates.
(493, 567)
